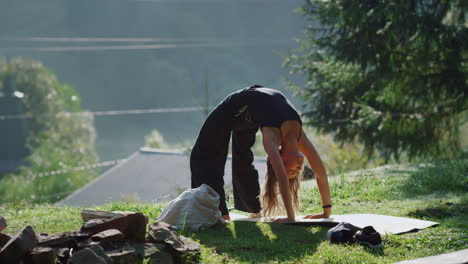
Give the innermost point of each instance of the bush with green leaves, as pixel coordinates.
(391, 74)
(58, 137)
(336, 157)
(339, 158)
(155, 140)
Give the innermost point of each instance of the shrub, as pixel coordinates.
(57, 139)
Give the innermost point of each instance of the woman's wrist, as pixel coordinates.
(327, 211)
(291, 216)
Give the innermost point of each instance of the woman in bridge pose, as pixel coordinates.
(241, 114)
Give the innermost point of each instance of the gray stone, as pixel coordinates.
(66, 239)
(94, 254)
(147, 250)
(85, 244)
(110, 245)
(42, 255)
(161, 232)
(63, 254)
(133, 226)
(192, 252)
(85, 256)
(110, 235)
(158, 253)
(162, 257)
(18, 246)
(124, 256)
(190, 245)
(183, 249)
(106, 245)
(89, 214)
(93, 222)
(136, 229)
(165, 225)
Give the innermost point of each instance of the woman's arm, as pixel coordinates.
(306, 147)
(271, 141)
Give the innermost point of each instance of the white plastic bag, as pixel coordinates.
(193, 210)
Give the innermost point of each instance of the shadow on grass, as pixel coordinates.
(440, 176)
(262, 242)
(442, 211)
(375, 251)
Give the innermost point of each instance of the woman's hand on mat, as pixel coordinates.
(326, 214)
(284, 220)
(316, 216)
(226, 217)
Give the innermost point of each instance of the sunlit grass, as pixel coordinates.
(411, 191)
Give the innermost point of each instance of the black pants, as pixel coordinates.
(208, 160)
(245, 183)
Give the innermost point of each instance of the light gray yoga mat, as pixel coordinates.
(383, 224)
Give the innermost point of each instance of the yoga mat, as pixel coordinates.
(383, 224)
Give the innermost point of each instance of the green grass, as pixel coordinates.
(435, 191)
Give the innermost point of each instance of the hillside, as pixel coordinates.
(432, 191)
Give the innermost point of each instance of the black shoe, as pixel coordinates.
(342, 233)
(369, 237)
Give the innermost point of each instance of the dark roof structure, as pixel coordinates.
(148, 175)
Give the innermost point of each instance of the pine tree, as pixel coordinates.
(389, 73)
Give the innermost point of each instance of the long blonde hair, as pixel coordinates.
(269, 197)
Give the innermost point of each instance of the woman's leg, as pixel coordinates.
(244, 175)
(210, 171)
(208, 156)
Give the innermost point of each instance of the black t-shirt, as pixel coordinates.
(257, 107)
(249, 109)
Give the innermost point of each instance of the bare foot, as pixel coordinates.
(255, 215)
(226, 217)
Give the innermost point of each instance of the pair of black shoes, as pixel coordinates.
(348, 233)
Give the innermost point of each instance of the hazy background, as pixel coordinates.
(142, 54)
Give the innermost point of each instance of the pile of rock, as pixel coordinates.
(105, 237)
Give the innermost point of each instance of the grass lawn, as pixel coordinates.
(435, 191)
